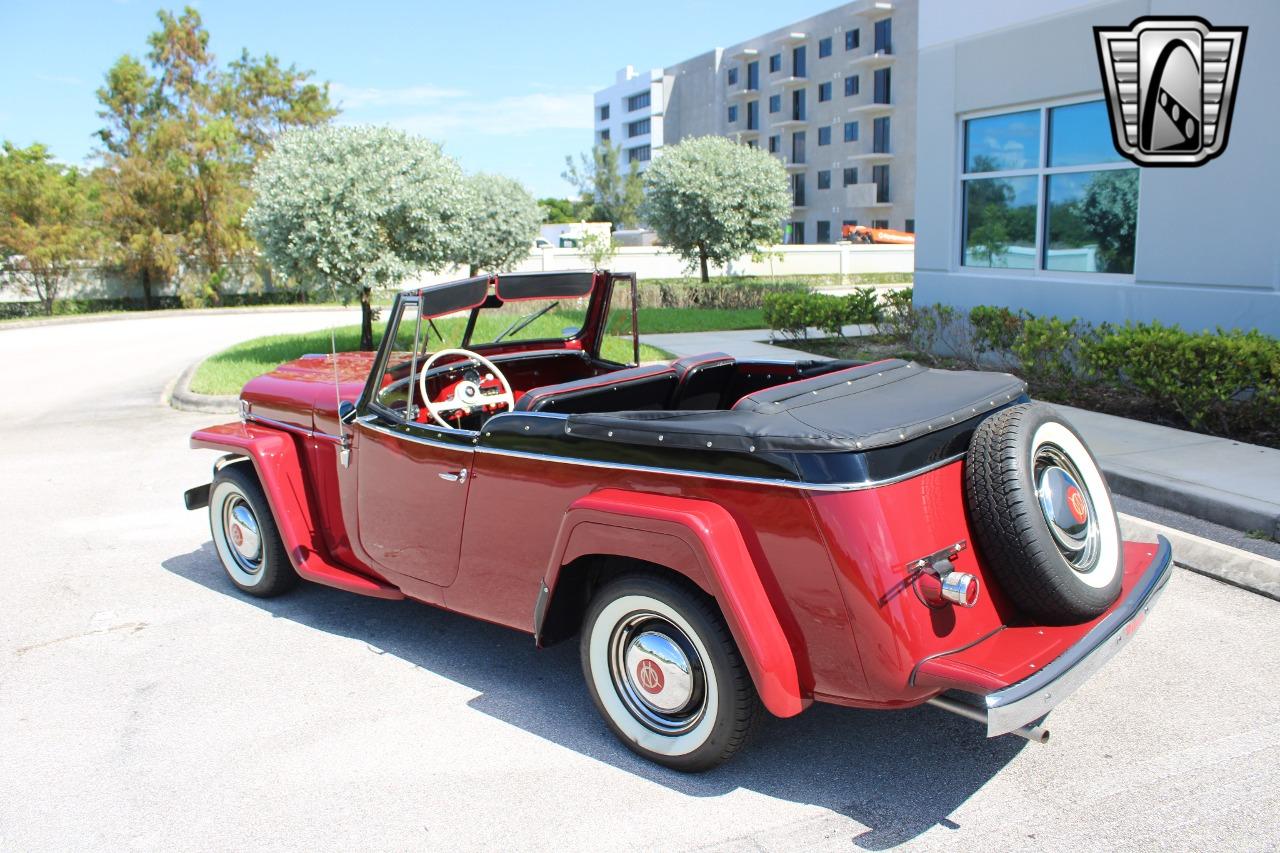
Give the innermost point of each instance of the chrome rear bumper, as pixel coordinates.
(1033, 697)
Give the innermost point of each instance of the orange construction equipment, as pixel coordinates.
(863, 234)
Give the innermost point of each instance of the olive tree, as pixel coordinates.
(356, 208)
(500, 220)
(713, 201)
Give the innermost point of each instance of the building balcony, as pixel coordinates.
(792, 82)
(794, 167)
(742, 93)
(871, 109)
(789, 124)
(874, 10)
(744, 135)
(794, 39)
(879, 59)
(871, 157)
(745, 54)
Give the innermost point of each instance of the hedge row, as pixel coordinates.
(691, 293)
(794, 313)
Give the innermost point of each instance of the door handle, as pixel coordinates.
(454, 476)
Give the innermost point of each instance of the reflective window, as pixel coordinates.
(996, 143)
(1080, 134)
(1000, 222)
(1092, 218)
(824, 180)
(824, 47)
(851, 39)
(824, 136)
(851, 85)
(824, 91)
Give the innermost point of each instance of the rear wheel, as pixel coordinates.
(245, 534)
(664, 672)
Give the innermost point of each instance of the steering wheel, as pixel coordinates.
(467, 395)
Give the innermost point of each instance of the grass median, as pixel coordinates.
(228, 371)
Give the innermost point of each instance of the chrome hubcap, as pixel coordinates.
(657, 673)
(241, 526)
(1067, 508)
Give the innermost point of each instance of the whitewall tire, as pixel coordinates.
(245, 535)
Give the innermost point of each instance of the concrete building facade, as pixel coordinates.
(832, 96)
(1025, 202)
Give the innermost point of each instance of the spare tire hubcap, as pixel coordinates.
(1067, 508)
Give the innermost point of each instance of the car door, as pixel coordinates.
(412, 478)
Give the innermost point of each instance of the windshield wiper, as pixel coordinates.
(523, 322)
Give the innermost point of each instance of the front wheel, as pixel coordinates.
(245, 534)
(665, 673)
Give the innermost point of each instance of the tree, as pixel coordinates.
(356, 208)
(47, 220)
(713, 201)
(499, 224)
(614, 197)
(1110, 211)
(181, 141)
(562, 211)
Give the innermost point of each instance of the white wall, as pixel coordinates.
(1207, 252)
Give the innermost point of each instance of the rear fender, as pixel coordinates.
(701, 541)
(275, 458)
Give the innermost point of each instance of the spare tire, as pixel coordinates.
(1042, 516)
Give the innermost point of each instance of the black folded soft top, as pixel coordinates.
(859, 408)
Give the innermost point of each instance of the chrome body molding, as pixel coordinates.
(1033, 697)
(293, 428)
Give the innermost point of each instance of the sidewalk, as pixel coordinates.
(1226, 482)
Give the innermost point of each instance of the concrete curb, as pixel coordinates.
(1204, 556)
(1239, 512)
(180, 396)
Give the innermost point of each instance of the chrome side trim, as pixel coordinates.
(370, 422)
(294, 428)
(732, 478)
(1033, 697)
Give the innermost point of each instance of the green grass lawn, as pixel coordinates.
(228, 371)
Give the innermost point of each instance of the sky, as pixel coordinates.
(504, 86)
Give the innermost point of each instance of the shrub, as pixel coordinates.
(1222, 382)
(793, 313)
(995, 329)
(686, 293)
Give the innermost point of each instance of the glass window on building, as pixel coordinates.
(753, 115)
(850, 131)
(637, 128)
(824, 231)
(881, 94)
(604, 135)
(733, 113)
(852, 38)
(879, 223)
(824, 179)
(850, 175)
(824, 91)
(1071, 208)
(880, 177)
(775, 63)
(824, 136)
(824, 47)
(797, 190)
(798, 99)
(884, 36)
(639, 154)
(775, 103)
(799, 67)
(910, 226)
(851, 85)
(797, 233)
(880, 135)
(638, 101)
(775, 143)
(797, 147)
(733, 75)
(604, 113)
(753, 75)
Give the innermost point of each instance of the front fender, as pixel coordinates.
(274, 454)
(700, 540)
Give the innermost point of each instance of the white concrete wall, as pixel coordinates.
(1206, 251)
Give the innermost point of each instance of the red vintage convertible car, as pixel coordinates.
(724, 536)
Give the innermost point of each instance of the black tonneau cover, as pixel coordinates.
(860, 408)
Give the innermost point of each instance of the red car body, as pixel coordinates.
(813, 579)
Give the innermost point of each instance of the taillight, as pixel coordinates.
(960, 588)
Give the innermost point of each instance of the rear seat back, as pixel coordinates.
(702, 381)
(630, 389)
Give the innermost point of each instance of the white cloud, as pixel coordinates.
(514, 114)
(361, 97)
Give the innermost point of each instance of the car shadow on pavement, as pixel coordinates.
(898, 773)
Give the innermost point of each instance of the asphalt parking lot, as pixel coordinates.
(145, 704)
